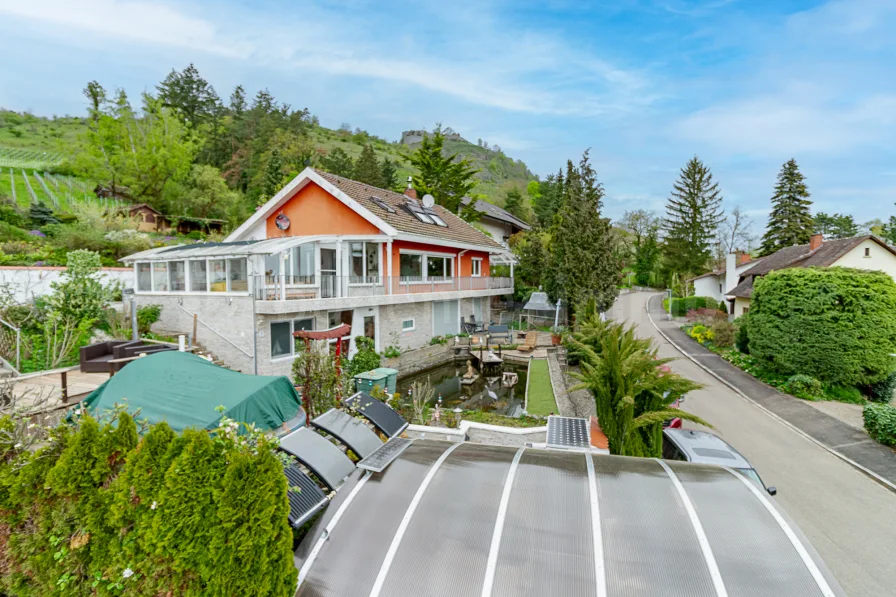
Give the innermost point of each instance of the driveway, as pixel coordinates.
(848, 518)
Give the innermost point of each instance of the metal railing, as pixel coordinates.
(290, 288)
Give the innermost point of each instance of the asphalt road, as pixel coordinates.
(848, 518)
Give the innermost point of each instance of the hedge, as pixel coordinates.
(880, 422)
(97, 511)
(681, 306)
(837, 325)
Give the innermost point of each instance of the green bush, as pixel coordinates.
(741, 337)
(97, 511)
(146, 316)
(804, 386)
(835, 324)
(844, 394)
(681, 306)
(194, 235)
(9, 232)
(12, 216)
(723, 333)
(880, 422)
(882, 391)
(723, 307)
(366, 359)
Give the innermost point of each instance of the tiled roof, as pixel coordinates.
(742, 290)
(457, 230)
(826, 255)
(493, 211)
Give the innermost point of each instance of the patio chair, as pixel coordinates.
(499, 332)
(478, 327)
(378, 413)
(350, 431)
(308, 501)
(529, 345)
(319, 455)
(469, 327)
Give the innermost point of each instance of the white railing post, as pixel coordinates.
(282, 287)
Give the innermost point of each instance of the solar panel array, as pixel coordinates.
(568, 432)
(388, 452)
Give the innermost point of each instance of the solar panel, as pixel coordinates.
(317, 453)
(392, 449)
(568, 432)
(380, 414)
(307, 501)
(350, 431)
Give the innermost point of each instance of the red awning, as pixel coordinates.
(339, 331)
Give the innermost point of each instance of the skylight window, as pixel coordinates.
(439, 221)
(382, 204)
(422, 217)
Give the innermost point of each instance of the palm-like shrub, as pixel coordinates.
(632, 391)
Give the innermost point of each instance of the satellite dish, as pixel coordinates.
(428, 200)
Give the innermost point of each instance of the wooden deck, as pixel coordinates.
(57, 389)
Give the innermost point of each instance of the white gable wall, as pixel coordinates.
(879, 259)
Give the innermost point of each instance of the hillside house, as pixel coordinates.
(148, 218)
(323, 252)
(860, 252)
(499, 223)
(716, 283)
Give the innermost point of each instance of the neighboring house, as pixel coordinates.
(324, 251)
(715, 283)
(187, 224)
(148, 218)
(500, 224)
(860, 252)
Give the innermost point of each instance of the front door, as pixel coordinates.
(364, 323)
(328, 286)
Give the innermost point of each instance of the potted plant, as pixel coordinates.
(557, 334)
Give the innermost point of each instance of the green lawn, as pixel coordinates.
(541, 394)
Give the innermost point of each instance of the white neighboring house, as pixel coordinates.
(323, 252)
(498, 222)
(859, 252)
(716, 284)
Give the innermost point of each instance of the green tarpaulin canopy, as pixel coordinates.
(184, 390)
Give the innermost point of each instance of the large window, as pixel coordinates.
(217, 275)
(411, 266)
(144, 277)
(238, 275)
(438, 268)
(177, 276)
(365, 262)
(198, 276)
(160, 277)
(283, 343)
(445, 318)
(302, 265)
(476, 265)
(336, 318)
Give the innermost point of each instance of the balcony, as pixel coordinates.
(280, 294)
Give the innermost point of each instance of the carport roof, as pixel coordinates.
(466, 520)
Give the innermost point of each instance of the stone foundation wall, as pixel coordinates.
(413, 361)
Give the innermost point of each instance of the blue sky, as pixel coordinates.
(645, 83)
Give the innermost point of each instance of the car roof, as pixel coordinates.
(706, 448)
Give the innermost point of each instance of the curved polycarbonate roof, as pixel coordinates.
(465, 520)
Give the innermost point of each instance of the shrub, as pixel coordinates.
(741, 337)
(844, 394)
(392, 352)
(9, 232)
(94, 512)
(723, 307)
(723, 333)
(681, 306)
(880, 422)
(701, 333)
(804, 386)
(835, 324)
(13, 217)
(707, 316)
(194, 235)
(882, 391)
(366, 359)
(146, 316)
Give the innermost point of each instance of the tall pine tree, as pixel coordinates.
(367, 169)
(790, 222)
(583, 265)
(693, 214)
(446, 177)
(389, 173)
(513, 203)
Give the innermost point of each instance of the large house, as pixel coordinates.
(498, 222)
(323, 252)
(860, 252)
(714, 284)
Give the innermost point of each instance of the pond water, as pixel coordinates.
(486, 393)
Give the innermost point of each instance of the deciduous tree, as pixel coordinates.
(835, 226)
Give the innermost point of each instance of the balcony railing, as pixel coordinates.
(291, 288)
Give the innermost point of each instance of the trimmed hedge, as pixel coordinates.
(837, 325)
(880, 422)
(681, 306)
(96, 511)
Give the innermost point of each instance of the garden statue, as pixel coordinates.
(470, 374)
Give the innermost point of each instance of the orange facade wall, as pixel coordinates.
(314, 211)
(466, 266)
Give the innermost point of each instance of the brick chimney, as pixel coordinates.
(816, 241)
(744, 258)
(410, 191)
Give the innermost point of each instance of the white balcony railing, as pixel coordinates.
(291, 288)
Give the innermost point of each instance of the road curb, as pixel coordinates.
(863, 469)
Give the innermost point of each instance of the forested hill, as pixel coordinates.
(169, 147)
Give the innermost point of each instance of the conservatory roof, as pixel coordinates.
(465, 520)
(243, 248)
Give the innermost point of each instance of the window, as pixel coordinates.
(237, 275)
(408, 325)
(336, 318)
(410, 266)
(445, 318)
(218, 275)
(198, 276)
(720, 288)
(303, 263)
(438, 221)
(438, 268)
(272, 264)
(177, 276)
(867, 252)
(160, 277)
(144, 277)
(476, 268)
(382, 204)
(283, 343)
(365, 262)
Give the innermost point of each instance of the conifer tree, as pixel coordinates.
(273, 176)
(693, 214)
(513, 203)
(446, 177)
(548, 199)
(367, 169)
(583, 263)
(389, 173)
(790, 222)
(339, 163)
